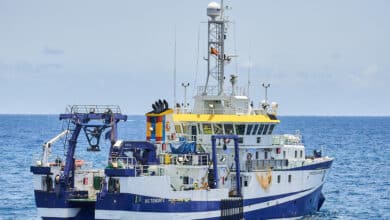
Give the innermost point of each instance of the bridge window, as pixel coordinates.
(207, 129)
(178, 129)
(240, 129)
(271, 128)
(218, 129)
(258, 140)
(301, 153)
(265, 129)
(259, 132)
(266, 155)
(229, 128)
(249, 129)
(185, 128)
(278, 178)
(257, 155)
(296, 154)
(289, 178)
(255, 129)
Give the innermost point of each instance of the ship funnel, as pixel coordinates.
(213, 10)
(233, 81)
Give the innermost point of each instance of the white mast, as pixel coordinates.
(216, 49)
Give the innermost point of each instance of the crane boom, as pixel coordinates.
(47, 146)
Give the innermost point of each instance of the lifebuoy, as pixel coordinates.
(179, 160)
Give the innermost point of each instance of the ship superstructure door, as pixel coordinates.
(193, 132)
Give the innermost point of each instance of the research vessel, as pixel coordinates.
(218, 160)
(66, 184)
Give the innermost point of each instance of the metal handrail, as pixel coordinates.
(215, 111)
(254, 165)
(288, 139)
(185, 159)
(187, 137)
(213, 90)
(122, 162)
(93, 109)
(131, 163)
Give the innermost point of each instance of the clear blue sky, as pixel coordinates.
(322, 57)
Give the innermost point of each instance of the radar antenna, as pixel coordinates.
(265, 102)
(266, 86)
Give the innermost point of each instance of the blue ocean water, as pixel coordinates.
(357, 187)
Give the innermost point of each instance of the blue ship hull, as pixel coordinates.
(302, 206)
(125, 202)
(52, 201)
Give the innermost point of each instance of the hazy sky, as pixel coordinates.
(322, 57)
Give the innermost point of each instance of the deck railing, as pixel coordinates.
(165, 159)
(93, 109)
(287, 139)
(213, 90)
(254, 165)
(185, 159)
(139, 170)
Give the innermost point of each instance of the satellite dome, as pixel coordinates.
(213, 10)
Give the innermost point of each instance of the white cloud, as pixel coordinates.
(371, 71)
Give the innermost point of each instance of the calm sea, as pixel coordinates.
(357, 187)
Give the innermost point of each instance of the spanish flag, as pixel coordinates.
(214, 51)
